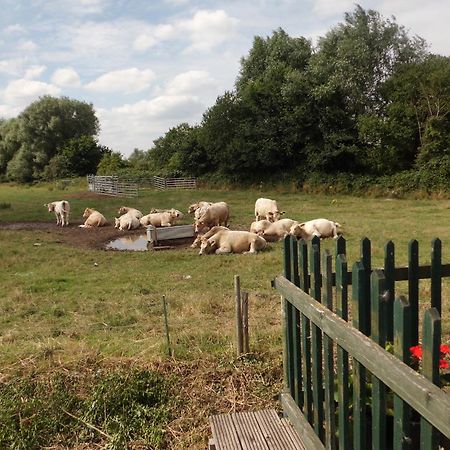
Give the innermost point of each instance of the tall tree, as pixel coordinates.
(44, 127)
(350, 67)
(255, 129)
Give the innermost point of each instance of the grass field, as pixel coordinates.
(83, 315)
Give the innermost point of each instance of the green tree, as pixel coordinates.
(352, 63)
(179, 153)
(261, 127)
(111, 163)
(9, 142)
(43, 129)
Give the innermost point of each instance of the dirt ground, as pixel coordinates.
(91, 238)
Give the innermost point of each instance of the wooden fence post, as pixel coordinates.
(166, 325)
(245, 338)
(379, 306)
(316, 344)
(239, 334)
(429, 436)
(403, 333)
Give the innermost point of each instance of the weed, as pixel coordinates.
(112, 408)
(5, 205)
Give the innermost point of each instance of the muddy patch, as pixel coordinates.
(91, 238)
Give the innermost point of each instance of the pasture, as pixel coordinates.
(69, 308)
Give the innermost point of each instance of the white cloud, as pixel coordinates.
(76, 7)
(137, 125)
(190, 82)
(11, 66)
(208, 29)
(176, 2)
(327, 8)
(14, 29)
(66, 77)
(34, 72)
(127, 81)
(27, 46)
(205, 30)
(7, 111)
(143, 42)
(22, 92)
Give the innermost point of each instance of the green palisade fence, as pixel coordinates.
(348, 380)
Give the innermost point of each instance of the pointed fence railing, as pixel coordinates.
(344, 389)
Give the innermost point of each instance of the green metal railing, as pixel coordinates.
(344, 389)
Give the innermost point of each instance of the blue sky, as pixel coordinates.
(148, 65)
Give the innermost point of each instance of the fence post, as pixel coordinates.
(245, 341)
(328, 356)
(342, 355)
(295, 327)
(166, 325)
(389, 273)
(237, 293)
(379, 306)
(359, 301)
(413, 289)
(316, 344)
(436, 274)
(287, 321)
(305, 336)
(429, 436)
(403, 332)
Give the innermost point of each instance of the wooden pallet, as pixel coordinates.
(258, 430)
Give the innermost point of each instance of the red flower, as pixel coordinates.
(416, 351)
(443, 364)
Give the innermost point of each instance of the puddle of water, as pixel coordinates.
(133, 243)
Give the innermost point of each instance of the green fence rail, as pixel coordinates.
(344, 389)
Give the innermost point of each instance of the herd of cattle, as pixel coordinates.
(211, 224)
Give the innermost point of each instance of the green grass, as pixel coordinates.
(58, 309)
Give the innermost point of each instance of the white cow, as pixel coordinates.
(93, 219)
(127, 222)
(216, 214)
(161, 219)
(260, 226)
(199, 208)
(279, 229)
(323, 228)
(226, 241)
(265, 208)
(61, 210)
(125, 209)
(206, 235)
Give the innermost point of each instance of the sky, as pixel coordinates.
(148, 65)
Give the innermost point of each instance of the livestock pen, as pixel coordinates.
(343, 387)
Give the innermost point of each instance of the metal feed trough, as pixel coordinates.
(158, 234)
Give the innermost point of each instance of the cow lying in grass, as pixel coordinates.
(93, 219)
(322, 228)
(61, 209)
(279, 229)
(208, 233)
(226, 241)
(133, 211)
(161, 219)
(126, 222)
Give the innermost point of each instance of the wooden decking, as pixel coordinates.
(258, 430)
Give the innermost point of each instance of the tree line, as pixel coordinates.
(367, 101)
